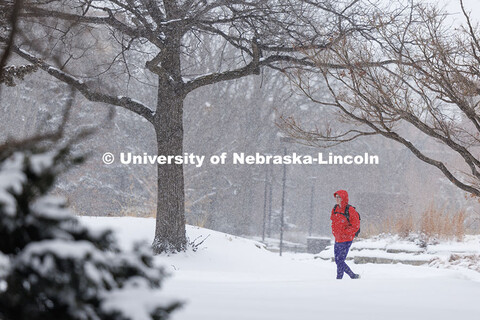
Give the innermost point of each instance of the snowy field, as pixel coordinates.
(232, 278)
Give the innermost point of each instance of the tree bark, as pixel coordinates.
(170, 222)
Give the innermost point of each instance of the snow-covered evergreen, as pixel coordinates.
(52, 267)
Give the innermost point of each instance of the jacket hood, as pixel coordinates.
(344, 195)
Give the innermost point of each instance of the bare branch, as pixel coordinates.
(125, 102)
(109, 20)
(430, 81)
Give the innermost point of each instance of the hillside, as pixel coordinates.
(235, 278)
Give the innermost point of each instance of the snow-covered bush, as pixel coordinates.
(51, 267)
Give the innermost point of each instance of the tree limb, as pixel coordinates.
(125, 102)
(110, 20)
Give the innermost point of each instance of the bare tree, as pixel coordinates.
(432, 85)
(264, 34)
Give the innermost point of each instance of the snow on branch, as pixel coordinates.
(121, 101)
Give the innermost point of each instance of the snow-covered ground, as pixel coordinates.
(235, 278)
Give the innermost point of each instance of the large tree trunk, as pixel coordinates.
(170, 225)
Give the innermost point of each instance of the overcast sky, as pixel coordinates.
(453, 6)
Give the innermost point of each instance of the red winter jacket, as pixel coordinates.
(341, 229)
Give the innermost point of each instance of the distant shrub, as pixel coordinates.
(437, 223)
(432, 223)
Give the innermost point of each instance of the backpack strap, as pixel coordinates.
(346, 213)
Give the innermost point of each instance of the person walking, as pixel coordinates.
(345, 224)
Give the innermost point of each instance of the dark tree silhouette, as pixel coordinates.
(161, 36)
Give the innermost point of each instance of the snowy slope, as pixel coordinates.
(235, 278)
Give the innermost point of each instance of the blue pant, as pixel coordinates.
(341, 251)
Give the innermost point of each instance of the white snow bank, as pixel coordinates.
(471, 244)
(234, 278)
(397, 256)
